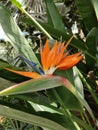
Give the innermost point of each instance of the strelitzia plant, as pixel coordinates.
(43, 78)
(51, 59)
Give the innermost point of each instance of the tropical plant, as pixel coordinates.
(49, 91)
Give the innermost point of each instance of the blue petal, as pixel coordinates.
(33, 65)
(41, 71)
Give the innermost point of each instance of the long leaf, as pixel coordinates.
(53, 15)
(45, 83)
(40, 102)
(95, 6)
(74, 79)
(15, 35)
(92, 47)
(29, 118)
(87, 12)
(32, 86)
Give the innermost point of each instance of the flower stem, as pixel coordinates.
(66, 111)
(36, 23)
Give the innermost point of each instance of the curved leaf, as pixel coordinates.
(32, 86)
(45, 83)
(15, 35)
(29, 118)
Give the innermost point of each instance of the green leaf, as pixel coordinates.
(72, 76)
(45, 83)
(87, 12)
(39, 100)
(16, 3)
(95, 6)
(32, 86)
(77, 81)
(54, 17)
(4, 64)
(29, 118)
(15, 35)
(70, 100)
(56, 113)
(65, 37)
(92, 47)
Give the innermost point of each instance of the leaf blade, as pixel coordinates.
(15, 35)
(86, 10)
(46, 83)
(29, 118)
(53, 15)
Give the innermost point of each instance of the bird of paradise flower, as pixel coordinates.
(51, 59)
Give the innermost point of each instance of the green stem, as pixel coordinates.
(66, 111)
(87, 119)
(36, 23)
(13, 125)
(88, 86)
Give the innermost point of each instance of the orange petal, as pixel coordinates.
(69, 61)
(68, 42)
(52, 55)
(44, 53)
(26, 74)
(60, 53)
(56, 53)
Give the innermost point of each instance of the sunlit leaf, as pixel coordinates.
(15, 35)
(17, 3)
(45, 83)
(77, 81)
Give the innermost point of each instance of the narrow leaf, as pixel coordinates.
(45, 83)
(87, 12)
(92, 47)
(95, 6)
(32, 86)
(16, 3)
(53, 15)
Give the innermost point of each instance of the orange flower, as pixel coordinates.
(52, 59)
